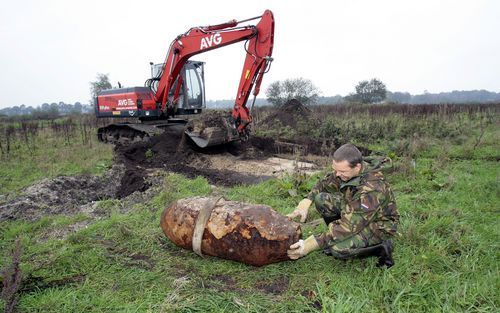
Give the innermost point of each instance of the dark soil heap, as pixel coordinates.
(289, 114)
(294, 106)
(62, 195)
(174, 151)
(209, 119)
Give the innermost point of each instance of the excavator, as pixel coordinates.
(176, 90)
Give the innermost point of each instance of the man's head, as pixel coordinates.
(347, 162)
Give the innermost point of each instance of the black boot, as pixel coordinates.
(382, 250)
(385, 254)
(328, 251)
(329, 219)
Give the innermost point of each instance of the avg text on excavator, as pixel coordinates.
(176, 89)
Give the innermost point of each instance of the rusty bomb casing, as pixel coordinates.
(254, 234)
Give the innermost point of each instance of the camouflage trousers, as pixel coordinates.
(330, 206)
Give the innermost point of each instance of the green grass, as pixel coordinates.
(49, 156)
(446, 256)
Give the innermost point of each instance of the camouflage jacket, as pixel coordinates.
(368, 208)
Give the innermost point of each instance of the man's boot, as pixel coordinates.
(329, 219)
(385, 254)
(382, 250)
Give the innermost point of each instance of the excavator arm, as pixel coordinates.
(259, 47)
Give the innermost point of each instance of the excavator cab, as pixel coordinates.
(191, 95)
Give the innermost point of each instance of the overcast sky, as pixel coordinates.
(51, 50)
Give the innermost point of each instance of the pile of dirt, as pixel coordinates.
(289, 114)
(69, 195)
(131, 181)
(62, 195)
(175, 152)
(294, 106)
(209, 119)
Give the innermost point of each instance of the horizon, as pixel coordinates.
(265, 99)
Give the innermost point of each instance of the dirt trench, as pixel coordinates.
(62, 195)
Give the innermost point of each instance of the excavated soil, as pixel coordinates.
(208, 119)
(62, 195)
(289, 114)
(69, 195)
(227, 165)
(133, 175)
(175, 152)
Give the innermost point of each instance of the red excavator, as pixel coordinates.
(176, 88)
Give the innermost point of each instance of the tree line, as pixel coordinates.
(369, 91)
(278, 93)
(47, 111)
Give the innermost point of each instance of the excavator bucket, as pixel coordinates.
(210, 131)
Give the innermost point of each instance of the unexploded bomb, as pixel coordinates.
(250, 233)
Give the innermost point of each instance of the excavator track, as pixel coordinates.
(203, 134)
(126, 133)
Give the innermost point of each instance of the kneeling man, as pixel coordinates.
(358, 206)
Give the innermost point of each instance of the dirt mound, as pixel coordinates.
(294, 106)
(131, 182)
(209, 119)
(62, 195)
(175, 152)
(289, 114)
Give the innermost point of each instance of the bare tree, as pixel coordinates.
(2, 134)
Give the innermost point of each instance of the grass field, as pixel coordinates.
(49, 152)
(447, 257)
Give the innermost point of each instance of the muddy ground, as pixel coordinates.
(61, 195)
(134, 171)
(227, 165)
(135, 166)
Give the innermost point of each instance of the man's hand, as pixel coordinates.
(302, 248)
(301, 210)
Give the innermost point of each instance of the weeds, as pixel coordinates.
(32, 150)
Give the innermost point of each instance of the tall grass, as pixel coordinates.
(36, 149)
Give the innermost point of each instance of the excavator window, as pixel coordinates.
(192, 95)
(193, 88)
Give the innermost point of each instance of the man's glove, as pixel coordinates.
(302, 248)
(301, 210)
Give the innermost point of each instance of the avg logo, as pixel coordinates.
(212, 40)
